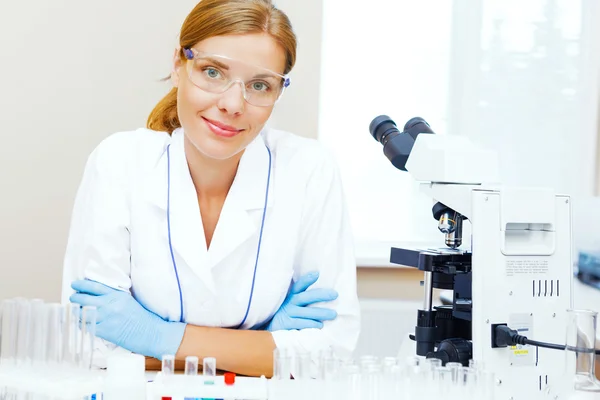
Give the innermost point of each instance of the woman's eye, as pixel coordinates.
(212, 73)
(260, 86)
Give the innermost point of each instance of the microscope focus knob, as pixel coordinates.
(453, 350)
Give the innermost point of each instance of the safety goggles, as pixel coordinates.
(216, 74)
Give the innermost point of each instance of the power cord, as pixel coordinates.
(503, 336)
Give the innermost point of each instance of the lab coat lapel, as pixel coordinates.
(242, 211)
(186, 233)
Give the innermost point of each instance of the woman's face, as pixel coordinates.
(220, 124)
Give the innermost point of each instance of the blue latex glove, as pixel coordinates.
(294, 313)
(125, 322)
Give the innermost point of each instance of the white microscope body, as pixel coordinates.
(521, 261)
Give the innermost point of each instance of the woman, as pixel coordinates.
(202, 234)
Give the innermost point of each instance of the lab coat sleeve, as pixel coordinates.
(326, 244)
(98, 241)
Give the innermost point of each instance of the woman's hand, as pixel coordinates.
(125, 322)
(294, 313)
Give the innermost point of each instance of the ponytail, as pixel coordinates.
(164, 116)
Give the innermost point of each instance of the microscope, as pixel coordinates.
(514, 268)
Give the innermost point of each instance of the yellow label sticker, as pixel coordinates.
(521, 352)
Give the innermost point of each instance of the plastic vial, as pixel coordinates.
(168, 364)
(209, 366)
(191, 365)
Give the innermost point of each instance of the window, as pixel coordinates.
(518, 77)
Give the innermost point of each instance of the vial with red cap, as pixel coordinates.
(229, 378)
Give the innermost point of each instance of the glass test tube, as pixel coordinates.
(191, 366)
(455, 368)
(302, 366)
(365, 361)
(352, 387)
(282, 364)
(470, 380)
(371, 381)
(23, 331)
(476, 365)
(443, 376)
(9, 332)
(209, 366)
(71, 335)
(429, 367)
(88, 337)
(37, 349)
(487, 383)
(54, 314)
(326, 364)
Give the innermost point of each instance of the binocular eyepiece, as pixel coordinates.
(397, 145)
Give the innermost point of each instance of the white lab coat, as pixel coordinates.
(119, 234)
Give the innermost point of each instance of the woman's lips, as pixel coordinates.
(221, 129)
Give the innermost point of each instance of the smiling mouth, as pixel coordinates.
(221, 129)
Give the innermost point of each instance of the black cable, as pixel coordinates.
(504, 336)
(545, 345)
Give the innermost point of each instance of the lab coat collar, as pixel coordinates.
(241, 215)
(239, 218)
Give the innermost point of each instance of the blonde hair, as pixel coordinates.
(225, 17)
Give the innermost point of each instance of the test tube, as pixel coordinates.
(429, 367)
(9, 332)
(389, 365)
(88, 336)
(326, 365)
(54, 313)
(365, 361)
(372, 381)
(71, 335)
(209, 366)
(443, 376)
(168, 364)
(191, 366)
(455, 368)
(487, 384)
(353, 378)
(282, 364)
(23, 332)
(476, 365)
(302, 366)
(37, 349)
(470, 380)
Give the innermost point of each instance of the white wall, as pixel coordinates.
(71, 73)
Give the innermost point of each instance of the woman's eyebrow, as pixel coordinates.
(261, 76)
(218, 63)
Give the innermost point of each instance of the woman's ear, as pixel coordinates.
(177, 64)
